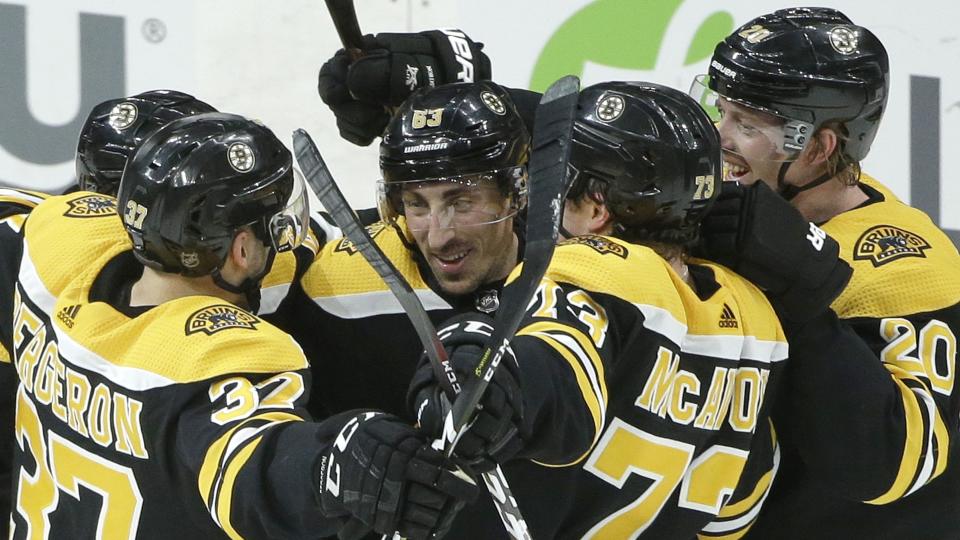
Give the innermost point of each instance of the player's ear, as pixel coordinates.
(241, 253)
(599, 218)
(822, 146)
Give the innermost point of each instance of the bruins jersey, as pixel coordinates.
(877, 461)
(649, 411)
(357, 336)
(15, 205)
(180, 420)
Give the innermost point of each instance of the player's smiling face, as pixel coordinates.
(751, 149)
(464, 233)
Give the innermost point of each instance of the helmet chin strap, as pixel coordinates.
(789, 191)
(249, 287)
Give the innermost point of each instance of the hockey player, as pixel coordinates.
(867, 451)
(109, 134)
(178, 410)
(637, 393)
(453, 163)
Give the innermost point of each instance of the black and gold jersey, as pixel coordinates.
(876, 458)
(649, 408)
(15, 205)
(361, 345)
(180, 420)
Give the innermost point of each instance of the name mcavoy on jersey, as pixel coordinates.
(734, 394)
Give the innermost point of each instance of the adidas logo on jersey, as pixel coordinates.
(68, 314)
(727, 318)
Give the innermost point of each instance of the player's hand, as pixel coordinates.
(498, 430)
(383, 473)
(393, 66)
(759, 234)
(359, 122)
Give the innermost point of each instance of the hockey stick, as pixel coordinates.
(552, 134)
(348, 28)
(321, 181)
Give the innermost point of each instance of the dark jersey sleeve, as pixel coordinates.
(257, 467)
(563, 349)
(866, 417)
(10, 249)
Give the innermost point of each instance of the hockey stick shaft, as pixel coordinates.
(552, 137)
(344, 17)
(321, 181)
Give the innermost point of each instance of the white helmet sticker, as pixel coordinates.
(610, 108)
(122, 116)
(493, 103)
(240, 156)
(844, 40)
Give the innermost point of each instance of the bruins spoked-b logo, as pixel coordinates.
(213, 319)
(599, 244)
(844, 40)
(886, 243)
(493, 103)
(122, 116)
(91, 206)
(241, 157)
(610, 108)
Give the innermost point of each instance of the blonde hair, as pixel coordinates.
(840, 166)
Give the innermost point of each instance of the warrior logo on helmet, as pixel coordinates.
(844, 40)
(240, 156)
(122, 116)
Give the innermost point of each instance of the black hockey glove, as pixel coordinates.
(358, 122)
(393, 66)
(383, 473)
(759, 234)
(497, 433)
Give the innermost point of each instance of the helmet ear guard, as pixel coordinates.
(811, 66)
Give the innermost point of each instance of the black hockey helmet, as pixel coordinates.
(195, 182)
(654, 155)
(115, 127)
(453, 132)
(809, 66)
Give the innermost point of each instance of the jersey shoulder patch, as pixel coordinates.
(339, 269)
(607, 265)
(600, 244)
(902, 262)
(186, 340)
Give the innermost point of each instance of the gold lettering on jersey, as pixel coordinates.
(599, 244)
(885, 243)
(213, 319)
(373, 230)
(103, 415)
(734, 396)
(91, 206)
(126, 425)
